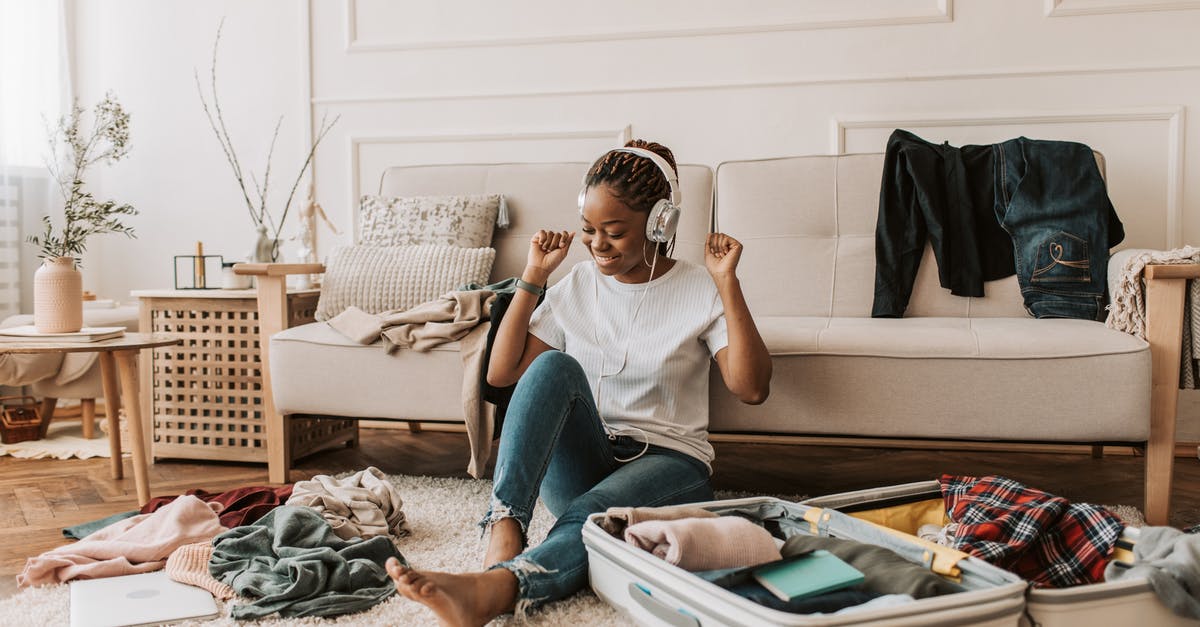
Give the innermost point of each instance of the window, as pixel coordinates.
(34, 89)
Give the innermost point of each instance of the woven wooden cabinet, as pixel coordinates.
(205, 397)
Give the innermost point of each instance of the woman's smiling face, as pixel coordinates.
(615, 235)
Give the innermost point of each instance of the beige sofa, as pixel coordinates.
(953, 368)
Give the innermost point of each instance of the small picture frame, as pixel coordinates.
(198, 272)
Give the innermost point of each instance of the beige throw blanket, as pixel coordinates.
(461, 316)
(1128, 309)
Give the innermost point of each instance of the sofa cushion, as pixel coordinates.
(821, 226)
(385, 278)
(463, 221)
(953, 378)
(316, 370)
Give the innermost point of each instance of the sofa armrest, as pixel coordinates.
(271, 289)
(1166, 294)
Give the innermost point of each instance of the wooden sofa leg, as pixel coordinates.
(1164, 332)
(414, 426)
(1097, 451)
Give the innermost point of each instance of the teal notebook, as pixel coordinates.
(806, 575)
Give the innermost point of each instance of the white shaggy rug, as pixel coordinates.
(63, 440)
(442, 515)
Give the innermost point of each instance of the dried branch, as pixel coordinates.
(219, 129)
(308, 160)
(260, 215)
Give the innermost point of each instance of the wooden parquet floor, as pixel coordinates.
(40, 497)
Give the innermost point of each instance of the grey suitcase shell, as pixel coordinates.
(653, 592)
(1109, 604)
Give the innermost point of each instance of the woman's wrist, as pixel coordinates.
(535, 275)
(724, 278)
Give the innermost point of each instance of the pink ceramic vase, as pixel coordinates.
(58, 296)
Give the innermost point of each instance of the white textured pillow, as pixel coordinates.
(465, 221)
(383, 278)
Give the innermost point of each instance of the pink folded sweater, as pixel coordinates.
(705, 543)
(135, 545)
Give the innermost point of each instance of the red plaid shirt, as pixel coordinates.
(1041, 537)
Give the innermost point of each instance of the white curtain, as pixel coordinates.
(34, 92)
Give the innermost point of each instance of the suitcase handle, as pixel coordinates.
(641, 594)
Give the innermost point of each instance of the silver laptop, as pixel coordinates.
(145, 599)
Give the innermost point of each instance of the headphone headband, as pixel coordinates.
(664, 215)
(663, 165)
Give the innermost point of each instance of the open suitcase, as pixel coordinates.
(1119, 603)
(652, 591)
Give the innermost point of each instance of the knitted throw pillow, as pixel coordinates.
(465, 221)
(384, 278)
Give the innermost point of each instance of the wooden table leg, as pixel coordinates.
(87, 414)
(127, 369)
(112, 411)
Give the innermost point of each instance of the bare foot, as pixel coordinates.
(470, 599)
(504, 542)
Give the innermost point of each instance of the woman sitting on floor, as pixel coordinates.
(611, 403)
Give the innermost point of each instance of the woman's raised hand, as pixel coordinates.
(721, 254)
(547, 249)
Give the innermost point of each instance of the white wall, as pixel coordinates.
(475, 81)
(176, 175)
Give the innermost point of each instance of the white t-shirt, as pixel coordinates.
(653, 347)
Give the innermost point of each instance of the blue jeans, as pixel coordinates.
(554, 444)
(1051, 198)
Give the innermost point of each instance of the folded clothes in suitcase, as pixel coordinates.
(652, 591)
(1108, 604)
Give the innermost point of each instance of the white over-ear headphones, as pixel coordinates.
(664, 215)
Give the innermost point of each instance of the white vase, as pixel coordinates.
(58, 296)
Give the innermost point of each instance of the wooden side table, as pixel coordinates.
(118, 358)
(205, 397)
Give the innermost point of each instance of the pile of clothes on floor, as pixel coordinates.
(315, 548)
(1045, 539)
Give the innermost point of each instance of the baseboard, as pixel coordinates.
(1187, 449)
(451, 427)
(1182, 449)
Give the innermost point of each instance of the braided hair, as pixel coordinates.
(634, 179)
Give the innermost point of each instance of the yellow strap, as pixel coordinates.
(813, 516)
(945, 559)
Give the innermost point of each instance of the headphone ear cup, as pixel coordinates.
(662, 221)
(582, 197)
(654, 221)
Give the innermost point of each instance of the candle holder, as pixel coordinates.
(198, 272)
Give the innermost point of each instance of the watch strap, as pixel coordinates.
(530, 287)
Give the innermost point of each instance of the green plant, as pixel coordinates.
(259, 213)
(72, 151)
